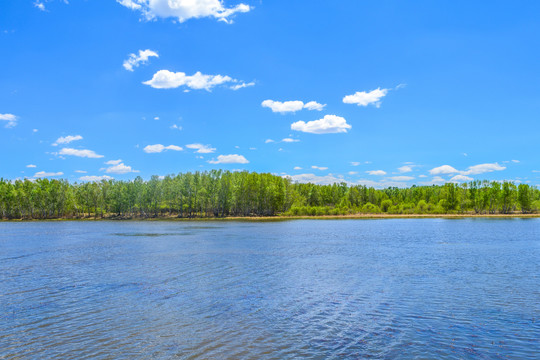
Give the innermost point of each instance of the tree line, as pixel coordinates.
(218, 193)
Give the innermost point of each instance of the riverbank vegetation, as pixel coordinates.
(219, 193)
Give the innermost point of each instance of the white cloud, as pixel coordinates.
(94, 178)
(444, 169)
(118, 167)
(405, 169)
(67, 139)
(297, 168)
(291, 106)
(31, 166)
(47, 174)
(422, 176)
(322, 168)
(459, 178)
(471, 170)
(157, 148)
(376, 172)
(184, 10)
(10, 118)
(313, 105)
(327, 125)
(229, 159)
(40, 5)
(435, 180)
(333, 178)
(290, 140)
(483, 168)
(401, 178)
(201, 149)
(176, 127)
(353, 172)
(267, 141)
(81, 171)
(283, 107)
(315, 179)
(242, 85)
(515, 161)
(355, 163)
(165, 79)
(135, 60)
(80, 153)
(132, 4)
(363, 98)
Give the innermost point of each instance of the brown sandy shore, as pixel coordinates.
(282, 217)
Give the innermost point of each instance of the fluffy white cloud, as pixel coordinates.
(132, 4)
(297, 168)
(436, 180)
(405, 169)
(376, 172)
(459, 178)
(135, 60)
(67, 139)
(363, 98)
(118, 168)
(401, 178)
(242, 85)
(268, 141)
(157, 148)
(353, 172)
(322, 168)
(327, 125)
(471, 170)
(201, 149)
(10, 118)
(483, 168)
(355, 163)
(283, 107)
(80, 153)
(290, 140)
(94, 178)
(291, 106)
(81, 171)
(165, 79)
(313, 105)
(30, 166)
(40, 5)
(315, 179)
(176, 127)
(444, 169)
(229, 159)
(113, 162)
(184, 10)
(47, 174)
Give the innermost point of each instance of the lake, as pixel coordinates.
(316, 289)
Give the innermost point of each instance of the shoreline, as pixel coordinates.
(284, 218)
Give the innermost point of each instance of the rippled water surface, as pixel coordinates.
(328, 289)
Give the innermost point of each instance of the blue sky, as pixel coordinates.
(383, 93)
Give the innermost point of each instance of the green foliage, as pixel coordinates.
(220, 193)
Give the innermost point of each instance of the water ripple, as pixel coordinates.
(380, 289)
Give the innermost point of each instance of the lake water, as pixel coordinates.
(317, 289)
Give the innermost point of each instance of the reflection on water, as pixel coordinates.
(412, 288)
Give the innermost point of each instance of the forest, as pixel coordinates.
(218, 193)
